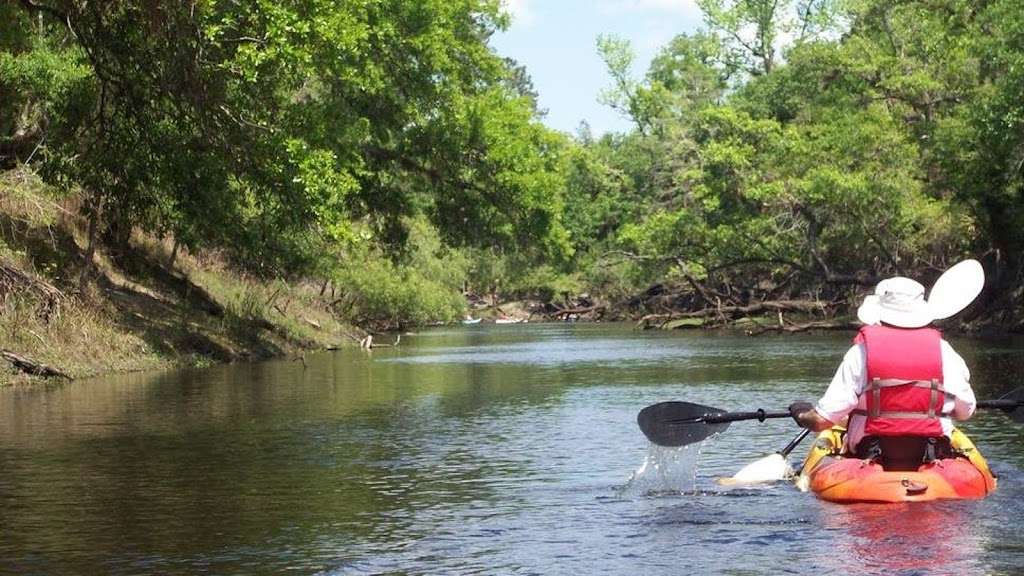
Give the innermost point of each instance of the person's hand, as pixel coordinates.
(798, 408)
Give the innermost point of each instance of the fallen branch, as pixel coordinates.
(818, 325)
(654, 319)
(755, 308)
(30, 366)
(727, 313)
(12, 278)
(273, 297)
(578, 311)
(13, 281)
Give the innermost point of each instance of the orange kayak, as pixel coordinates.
(837, 478)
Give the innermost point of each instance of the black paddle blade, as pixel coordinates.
(678, 423)
(1017, 396)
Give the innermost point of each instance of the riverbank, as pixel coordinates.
(139, 309)
(664, 307)
(150, 305)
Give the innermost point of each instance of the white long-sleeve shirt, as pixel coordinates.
(846, 392)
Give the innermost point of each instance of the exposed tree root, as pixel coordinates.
(29, 366)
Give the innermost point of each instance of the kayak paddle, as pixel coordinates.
(677, 423)
(956, 289)
(1012, 403)
(771, 468)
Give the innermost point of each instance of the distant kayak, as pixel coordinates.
(509, 320)
(837, 478)
(472, 320)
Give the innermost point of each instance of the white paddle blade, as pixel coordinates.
(956, 289)
(771, 468)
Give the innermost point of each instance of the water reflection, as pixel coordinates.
(462, 451)
(926, 538)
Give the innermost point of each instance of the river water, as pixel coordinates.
(477, 450)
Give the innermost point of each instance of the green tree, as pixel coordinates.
(754, 32)
(274, 128)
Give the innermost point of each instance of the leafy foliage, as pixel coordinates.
(790, 148)
(278, 128)
(886, 142)
(427, 287)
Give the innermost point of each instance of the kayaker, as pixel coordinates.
(898, 385)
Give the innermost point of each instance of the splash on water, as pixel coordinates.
(665, 470)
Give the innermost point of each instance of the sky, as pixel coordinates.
(557, 41)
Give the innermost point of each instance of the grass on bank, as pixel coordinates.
(79, 335)
(138, 319)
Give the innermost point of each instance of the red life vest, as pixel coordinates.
(904, 392)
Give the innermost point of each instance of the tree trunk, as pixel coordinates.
(174, 253)
(90, 249)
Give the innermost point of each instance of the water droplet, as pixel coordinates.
(665, 470)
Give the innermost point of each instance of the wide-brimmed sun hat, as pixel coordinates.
(897, 301)
(900, 301)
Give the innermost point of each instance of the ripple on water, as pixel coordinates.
(466, 452)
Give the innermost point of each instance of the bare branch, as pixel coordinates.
(35, 8)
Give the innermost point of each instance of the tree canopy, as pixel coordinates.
(808, 147)
(786, 149)
(277, 129)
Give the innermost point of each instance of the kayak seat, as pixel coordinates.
(904, 453)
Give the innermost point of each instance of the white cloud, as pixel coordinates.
(520, 10)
